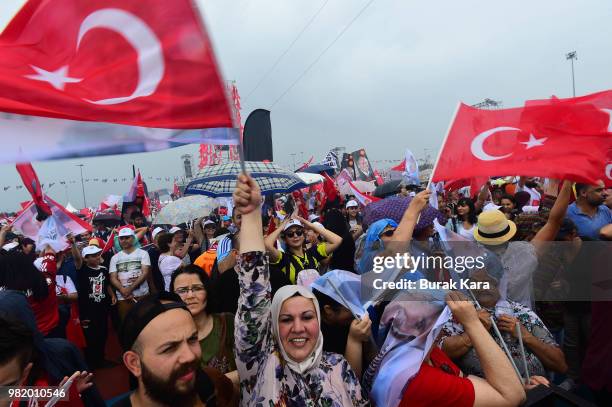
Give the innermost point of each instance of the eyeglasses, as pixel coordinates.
(297, 233)
(194, 289)
(388, 233)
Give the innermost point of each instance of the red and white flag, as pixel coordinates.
(558, 139)
(96, 77)
(362, 198)
(137, 190)
(27, 224)
(32, 184)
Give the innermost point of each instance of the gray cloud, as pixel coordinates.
(392, 81)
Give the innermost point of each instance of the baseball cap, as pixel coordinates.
(313, 218)
(208, 222)
(226, 218)
(156, 231)
(490, 207)
(87, 250)
(143, 312)
(352, 203)
(174, 229)
(96, 241)
(293, 222)
(126, 232)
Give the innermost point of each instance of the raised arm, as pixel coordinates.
(253, 340)
(3, 231)
(270, 240)
(555, 218)
(76, 254)
(332, 240)
(501, 386)
(182, 252)
(405, 228)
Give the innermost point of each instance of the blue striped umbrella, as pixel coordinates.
(220, 180)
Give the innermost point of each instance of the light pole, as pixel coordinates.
(572, 56)
(83, 185)
(293, 156)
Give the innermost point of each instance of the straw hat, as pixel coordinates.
(493, 228)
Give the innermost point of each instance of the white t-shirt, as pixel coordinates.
(128, 268)
(167, 265)
(536, 197)
(64, 282)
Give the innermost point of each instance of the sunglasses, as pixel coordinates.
(124, 237)
(297, 233)
(388, 233)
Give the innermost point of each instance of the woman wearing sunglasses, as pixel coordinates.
(296, 257)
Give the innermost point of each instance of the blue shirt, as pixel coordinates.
(589, 226)
(224, 248)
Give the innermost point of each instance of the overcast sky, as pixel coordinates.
(391, 82)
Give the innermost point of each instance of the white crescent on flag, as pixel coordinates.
(144, 41)
(478, 141)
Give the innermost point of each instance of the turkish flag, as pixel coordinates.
(32, 184)
(143, 71)
(559, 139)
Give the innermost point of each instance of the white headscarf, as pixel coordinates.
(283, 294)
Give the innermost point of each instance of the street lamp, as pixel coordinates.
(293, 156)
(83, 185)
(572, 56)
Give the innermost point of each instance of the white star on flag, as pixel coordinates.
(534, 142)
(57, 79)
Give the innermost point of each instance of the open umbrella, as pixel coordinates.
(220, 180)
(388, 188)
(310, 179)
(394, 208)
(185, 209)
(319, 168)
(109, 219)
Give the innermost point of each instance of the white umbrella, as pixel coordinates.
(185, 209)
(310, 179)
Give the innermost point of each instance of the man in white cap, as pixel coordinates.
(354, 218)
(129, 271)
(95, 296)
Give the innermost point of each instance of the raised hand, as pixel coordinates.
(420, 200)
(247, 195)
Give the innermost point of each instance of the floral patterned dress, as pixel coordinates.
(265, 379)
(470, 364)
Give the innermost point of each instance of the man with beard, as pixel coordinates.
(162, 352)
(589, 213)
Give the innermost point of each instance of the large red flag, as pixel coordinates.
(363, 199)
(95, 77)
(561, 139)
(32, 184)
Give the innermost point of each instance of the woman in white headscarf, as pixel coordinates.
(279, 345)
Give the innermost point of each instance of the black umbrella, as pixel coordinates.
(388, 188)
(319, 168)
(108, 219)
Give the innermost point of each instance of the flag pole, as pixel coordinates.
(450, 125)
(498, 334)
(199, 12)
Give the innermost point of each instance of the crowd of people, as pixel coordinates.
(228, 310)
